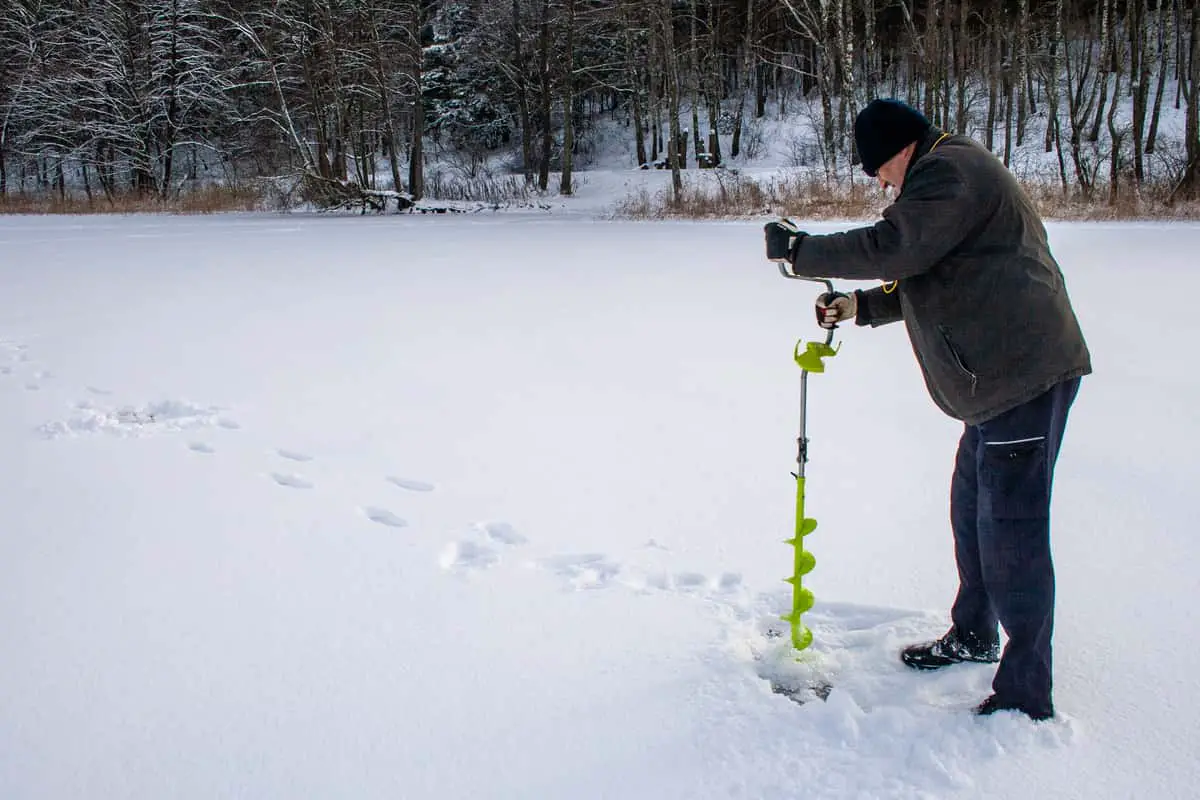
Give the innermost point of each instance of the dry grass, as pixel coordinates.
(1151, 203)
(731, 195)
(206, 200)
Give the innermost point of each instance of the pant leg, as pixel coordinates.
(1016, 458)
(972, 615)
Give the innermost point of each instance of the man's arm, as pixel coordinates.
(877, 307)
(931, 217)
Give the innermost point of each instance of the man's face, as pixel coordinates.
(892, 172)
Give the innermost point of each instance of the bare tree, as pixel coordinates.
(675, 143)
(747, 77)
(568, 71)
(1163, 29)
(415, 14)
(1189, 186)
(1139, 76)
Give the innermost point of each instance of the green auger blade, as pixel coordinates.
(807, 526)
(802, 635)
(811, 359)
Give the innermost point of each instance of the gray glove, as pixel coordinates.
(835, 307)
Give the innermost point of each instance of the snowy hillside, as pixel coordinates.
(432, 508)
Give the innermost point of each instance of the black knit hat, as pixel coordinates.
(883, 129)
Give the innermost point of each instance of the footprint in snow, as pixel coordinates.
(293, 455)
(201, 447)
(32, 387)
(99, 391)
(5, 370)
(587, 571)
(410, 485)
(501, 533)
(291, 481)
(690, 581)
(467, 556)
(473, 555)
(694, 584)
(229, 424)
(729, 582)
(383, 517)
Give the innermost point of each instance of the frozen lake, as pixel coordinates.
(492, 507)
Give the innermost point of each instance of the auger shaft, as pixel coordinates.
(811, 360)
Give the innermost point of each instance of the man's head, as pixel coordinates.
(886, 133)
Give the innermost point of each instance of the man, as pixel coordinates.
(966, 265)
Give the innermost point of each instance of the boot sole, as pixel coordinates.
(926, 667)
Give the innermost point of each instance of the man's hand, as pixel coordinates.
(835, 307)
(783, 237)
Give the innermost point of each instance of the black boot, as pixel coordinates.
(950, 649)
(994, 704)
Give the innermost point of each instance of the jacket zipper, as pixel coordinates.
(958, 360)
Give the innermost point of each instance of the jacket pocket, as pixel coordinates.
(1016, 477)
(956, 358)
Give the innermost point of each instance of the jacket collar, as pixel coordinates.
(930, 140)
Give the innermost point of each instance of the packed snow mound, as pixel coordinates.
(859, 714)
(164, 416)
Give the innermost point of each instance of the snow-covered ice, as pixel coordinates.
(493, 507)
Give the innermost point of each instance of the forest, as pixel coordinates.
(154, 98)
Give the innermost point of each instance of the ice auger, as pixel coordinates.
(810, 358)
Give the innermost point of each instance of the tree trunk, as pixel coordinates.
(962, 61)
(1114, 167)
(671, 65)
(171, 123)
(1191, 177)
(568, 103)
(870, 53)
(1106, 67)
(693, 59)
(1180, 54)
(748, 73)
(416, 154)
(1009, 110)
(639, 124)
(1163, 66)
(713, 91)
(1139, 76)
(994, 85)
(522, 96)
(1083, 89)
(1022, 69)
(846, 45)
(947, 59)
(1057, 46)
(760, 92)
(544, 77)
(633, 76)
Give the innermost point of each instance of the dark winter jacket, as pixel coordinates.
(982, 297)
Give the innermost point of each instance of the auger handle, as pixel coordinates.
(787, 273)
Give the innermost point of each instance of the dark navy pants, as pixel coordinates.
(1000, 513)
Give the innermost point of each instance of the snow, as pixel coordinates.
(492, 506)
